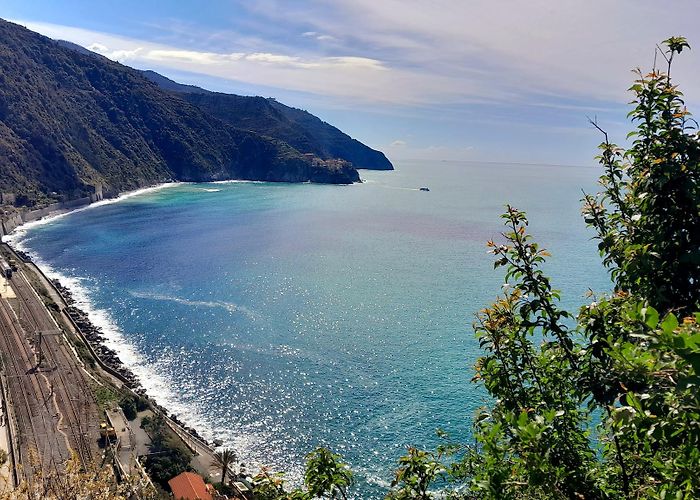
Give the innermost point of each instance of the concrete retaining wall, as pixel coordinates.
(8, 225)
(33, 215)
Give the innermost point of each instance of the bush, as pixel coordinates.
(128, 406)
(611, 408)
(166, 464)
(168, 456)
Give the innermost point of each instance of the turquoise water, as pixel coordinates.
(279, 317)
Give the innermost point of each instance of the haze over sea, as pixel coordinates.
(279, 317)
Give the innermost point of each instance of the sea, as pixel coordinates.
(281, 317)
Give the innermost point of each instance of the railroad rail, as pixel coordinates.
(50, 401)
(67, 382)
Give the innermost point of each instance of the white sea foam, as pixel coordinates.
(155, 384)
(154, 375)
(209, 190)
(153, 381)
(229, 306)
(379, 481)
(237, 181)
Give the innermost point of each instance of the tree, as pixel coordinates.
(609, 409)
(223, 459)
(416, 472)
(129, 408)
(603, 404)
(535, 439)
(326, 475)
(269, 485)
(168, 456)
(647, 216)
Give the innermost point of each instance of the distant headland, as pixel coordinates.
(78, 126)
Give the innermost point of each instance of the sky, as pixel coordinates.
(486, 80)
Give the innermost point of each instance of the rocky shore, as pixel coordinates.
(95, 336)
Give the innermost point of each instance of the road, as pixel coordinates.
(52, 409)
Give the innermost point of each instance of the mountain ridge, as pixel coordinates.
(267, 116)
(70, 121)
(299, 128)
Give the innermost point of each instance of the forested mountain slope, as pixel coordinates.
(69, 120)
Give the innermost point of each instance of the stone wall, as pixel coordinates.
(32, 215)
(8, 224)
(11, 221)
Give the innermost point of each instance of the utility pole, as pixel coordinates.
(41, 352)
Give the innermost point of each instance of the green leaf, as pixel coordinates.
(670, 323)
(522, 420)
(650, 316)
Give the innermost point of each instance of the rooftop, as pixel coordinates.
(189, 486)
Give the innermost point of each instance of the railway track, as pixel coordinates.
(51, 403)
(40, 446)
(67, 381)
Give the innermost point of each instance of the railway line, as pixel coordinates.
(73, 394)
(37, 441)
(51, 404)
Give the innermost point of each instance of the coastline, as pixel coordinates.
(163, 390)
(19, 225)
(106, 342)
(60, 305)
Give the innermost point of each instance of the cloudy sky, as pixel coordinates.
(436, 80)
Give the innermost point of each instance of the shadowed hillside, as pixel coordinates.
(300, 129)
(69, 120)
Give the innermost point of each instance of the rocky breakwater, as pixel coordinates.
(95, 337)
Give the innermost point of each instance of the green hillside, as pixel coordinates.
(69, 120)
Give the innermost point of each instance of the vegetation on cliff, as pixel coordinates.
(69, 121)
(266, 116)
(603, 403)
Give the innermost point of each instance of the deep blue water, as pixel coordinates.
(279, 317)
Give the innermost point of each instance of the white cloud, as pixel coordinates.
(398, 143)
(358, 62)
(125, 55)
(116, 55)
(506, 50)
(347, 77)
(265, 57)
(190, 56)
(319, 36)
(541, 53)
(98, 47)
